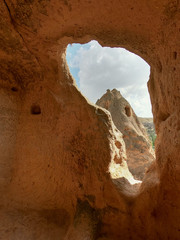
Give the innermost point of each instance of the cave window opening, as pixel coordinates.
(175, 55)
(35, 109)
(128, 111)
(97, 70)
(14, 89)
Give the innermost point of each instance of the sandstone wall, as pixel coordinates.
(56, 148)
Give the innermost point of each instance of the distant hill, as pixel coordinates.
(149, 126)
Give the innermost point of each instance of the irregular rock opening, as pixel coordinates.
(96, 69)
(175, 55)
(140, 153)
(128, 111)
(35, 109)
(14, 89)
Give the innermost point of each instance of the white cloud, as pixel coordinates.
(102, 68)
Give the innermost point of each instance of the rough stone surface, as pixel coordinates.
(138, 146)
(56, 148)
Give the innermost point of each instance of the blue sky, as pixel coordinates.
(97, 69)
(71, 52)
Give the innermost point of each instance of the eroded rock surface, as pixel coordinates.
(138, 146)
(56, 148)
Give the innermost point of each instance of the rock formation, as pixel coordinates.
(138, 146)
(56, 148)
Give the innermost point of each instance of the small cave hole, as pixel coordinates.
(14, 89)
(128, 111)
(35, 109)
(175, 55)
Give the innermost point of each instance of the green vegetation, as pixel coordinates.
(152, 137)
(149, 126)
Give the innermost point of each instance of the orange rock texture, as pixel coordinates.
(140, 154)
(57, 150)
